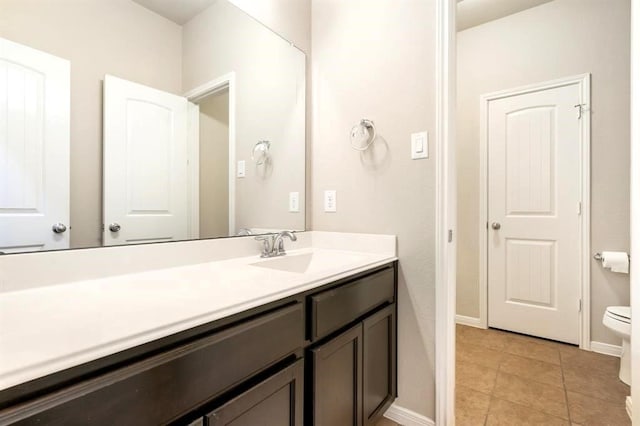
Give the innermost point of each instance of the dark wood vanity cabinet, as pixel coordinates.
(167, 387)
(353, 372)
(379, 363)
(322, 357)
(277, 401)
(337, 380)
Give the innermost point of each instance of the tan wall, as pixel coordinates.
(214, 166)
(99, 37)
(270, 104)
(558, 39)
(376, 60)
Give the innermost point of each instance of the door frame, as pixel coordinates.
(634, 410)
(445, 211)
(224, 82)
(445, 291)
(584, 85)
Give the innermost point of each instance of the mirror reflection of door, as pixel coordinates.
(179, 50)
(166, 165)
(34, 149)
(146, 185)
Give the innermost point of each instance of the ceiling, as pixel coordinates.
(178, 11)
(471, 13)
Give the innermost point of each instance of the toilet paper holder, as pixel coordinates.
(598, 257)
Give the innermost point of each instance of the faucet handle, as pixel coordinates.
(278, 243)
(268, 241)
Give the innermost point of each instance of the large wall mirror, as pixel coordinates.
(133, 121)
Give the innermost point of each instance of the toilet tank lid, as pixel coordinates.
(621, 311)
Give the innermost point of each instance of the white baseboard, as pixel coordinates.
(470, 321)
(606, 349)
(406, 417)
(628, 405)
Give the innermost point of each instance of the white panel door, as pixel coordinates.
(145, 164)
(534, 224)
(34, 149)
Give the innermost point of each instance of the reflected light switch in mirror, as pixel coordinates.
(294, 202)
(141, 122)
(241, 169)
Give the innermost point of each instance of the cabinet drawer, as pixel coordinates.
(159, 389)
(332, 309)
(277, 401)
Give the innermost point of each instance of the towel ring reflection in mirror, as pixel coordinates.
(362, 135)
(260, 154)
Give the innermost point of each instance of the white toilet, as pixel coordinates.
(618, 320)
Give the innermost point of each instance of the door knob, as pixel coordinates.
(495, 225)
(59, 228)
(114, 227)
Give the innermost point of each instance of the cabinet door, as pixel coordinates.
(337, 380)
(277, 401)
(379, 363)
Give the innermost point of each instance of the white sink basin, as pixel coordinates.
(297, 263)
(312, 262)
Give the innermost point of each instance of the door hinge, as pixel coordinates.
(579, 208)
(580, 305)
(450, 235)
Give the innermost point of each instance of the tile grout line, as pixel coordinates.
(564, 387)
(492, 396)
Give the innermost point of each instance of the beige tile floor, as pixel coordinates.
(514, 380)
(509, 379)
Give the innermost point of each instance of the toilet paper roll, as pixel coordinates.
(617, 261)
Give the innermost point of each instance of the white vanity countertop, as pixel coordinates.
(48, 329)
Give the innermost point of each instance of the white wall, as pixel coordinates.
(270, 104)
(289, 18)
(117, 37)
(558, 39)
(376, 60)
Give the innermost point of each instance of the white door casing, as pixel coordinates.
(146, 181)
(224, 82)
(535, 196)
(193, 179)
(34, 149)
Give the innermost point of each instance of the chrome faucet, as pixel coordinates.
(278, 243)
(273, 244)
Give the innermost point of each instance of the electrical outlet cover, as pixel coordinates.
(330, 201)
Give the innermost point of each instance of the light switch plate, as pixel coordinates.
(419, 145)
(241, 169)
(330, 201)
(294, 202)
